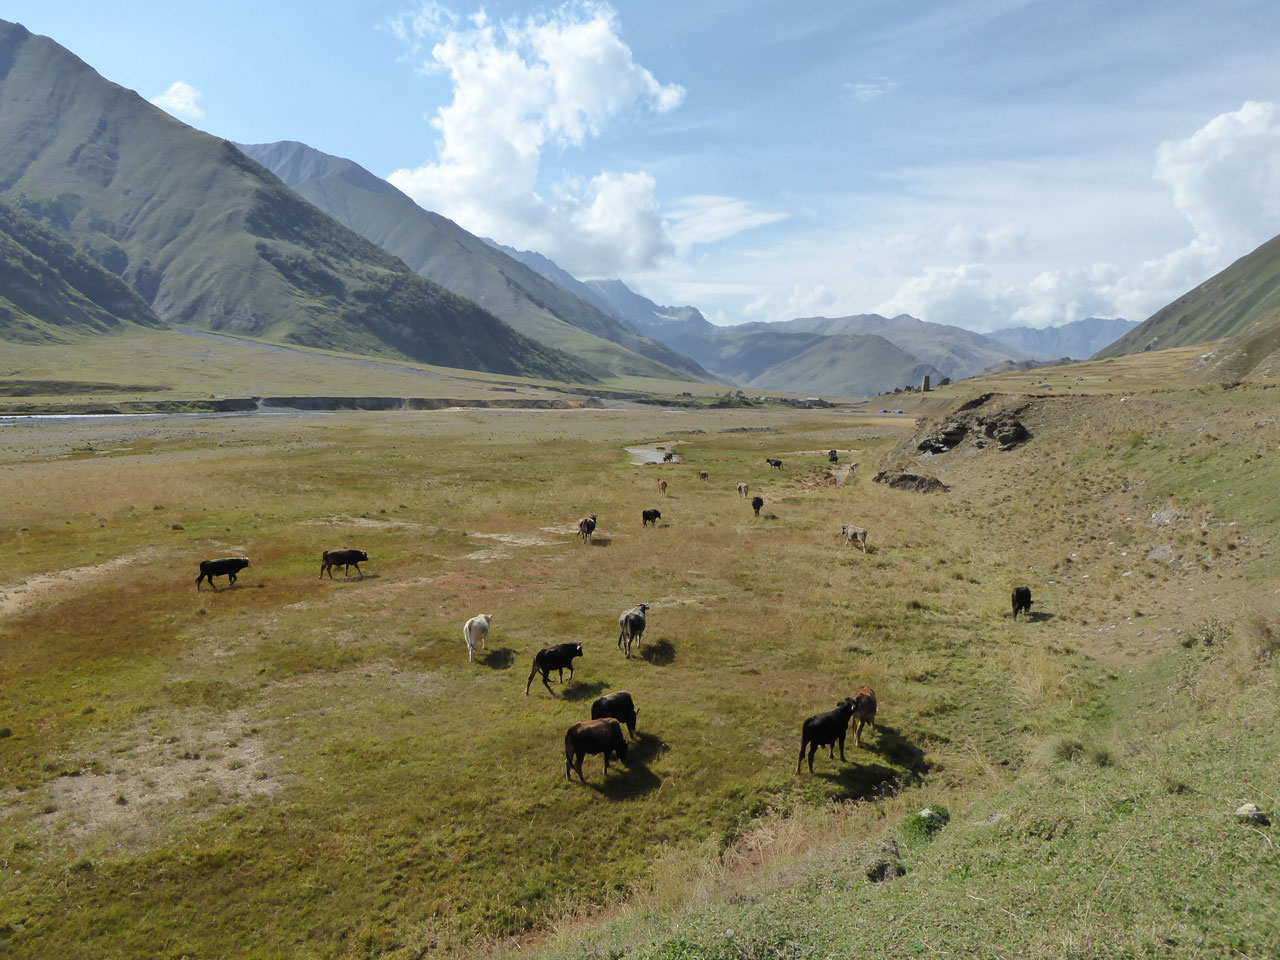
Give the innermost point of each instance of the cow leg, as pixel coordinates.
(813, 748)
(800, 759)
(198, 579)
(842, 760)
(570, 674)
(577, 764)
(359, 571)
(530, 680)
(546, 676)
(231, 580)
(606, 763)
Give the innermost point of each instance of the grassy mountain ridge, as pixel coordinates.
(438, 249)
(208, 237)
(50, 291)
(1227, 304)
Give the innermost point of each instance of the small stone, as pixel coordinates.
(1162, 554)
(1249, 813)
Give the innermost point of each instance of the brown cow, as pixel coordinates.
(592, 736)
(703, 475)
(586, 527)
(662, 487)
(742, 489)
(864, 711)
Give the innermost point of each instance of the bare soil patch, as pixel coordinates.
(16, 597)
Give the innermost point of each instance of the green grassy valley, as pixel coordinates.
(297, 767)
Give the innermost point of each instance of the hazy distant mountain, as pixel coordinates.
(952, 351)
(210, 238)
(1077, 340)
(752, 355)
(440, 250)
(51, 292)
(1243, 298)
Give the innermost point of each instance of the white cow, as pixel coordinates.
(854, 535)
(476, 631)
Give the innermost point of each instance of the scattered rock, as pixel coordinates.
(1162, 554)
(1165, 517)
(1249, 813)
(910, 481)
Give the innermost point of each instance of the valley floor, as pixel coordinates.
(297, 767)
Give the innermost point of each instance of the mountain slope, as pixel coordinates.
(51, 292)
(1078, 340)
(438, 249)
(209, 238)
(952, 351)
(1226, 304)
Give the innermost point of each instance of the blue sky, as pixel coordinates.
(977, 163)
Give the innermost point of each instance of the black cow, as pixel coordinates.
(631, 626)
(756, 504)
(553, 658)
(833, 457)
(619, 706)
(1021, 601)
(776, 464)
(586, 527)
(344, 559)
(668, 457)
(650, 516)
(825, 730)
(592, 736)
(226, 567)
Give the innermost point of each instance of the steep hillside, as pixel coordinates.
(51, 292)
(438, 249)
(1226, 304)
(952, 351)
(209, 238)
(1077, 340)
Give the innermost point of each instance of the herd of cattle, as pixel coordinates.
(603, 732)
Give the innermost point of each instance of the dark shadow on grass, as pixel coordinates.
(645, 747)
(583, 691)
(897, 749)
(625, 781)
(857, 781)
(499, 659)
(601, 541)
(1040, 616)
(660, 654)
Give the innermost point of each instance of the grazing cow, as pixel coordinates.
(825, 730)
(1021, 601)
(742, 489)
(592, 736)
(776, 464)
(226, 567)
(344, 559)
(553, 658)
(833, 457)
(650, 516)
(476, 632)
(756, 504)
(662, 487)
(619, 706)
(854, 534)
(668, 457)
(631, 625)
(864, 712)
(586, 527)
(703, 475)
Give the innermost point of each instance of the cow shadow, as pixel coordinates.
(601, 541)
(857, 781)
(1040, 616)
(660, 654)
(626, 780)
(583, 691)
(645, 747)
(499, 659)
(897, 749)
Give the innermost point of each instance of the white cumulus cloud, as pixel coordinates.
(1224, 178)
(523, 88)
(182, 100)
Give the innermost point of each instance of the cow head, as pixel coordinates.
(848, 703)
(577, 649)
